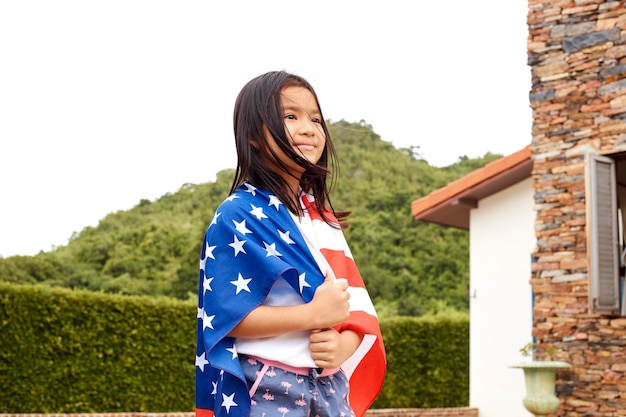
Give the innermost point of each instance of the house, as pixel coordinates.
(495, 203)
(566, 216)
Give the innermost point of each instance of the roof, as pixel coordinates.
(451, 205)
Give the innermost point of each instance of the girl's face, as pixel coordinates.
(303, 125)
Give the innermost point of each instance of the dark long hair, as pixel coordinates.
(258, 107)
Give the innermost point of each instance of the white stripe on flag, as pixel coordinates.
(352, 362)
(330, 238)
(360, 301)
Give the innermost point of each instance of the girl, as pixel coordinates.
(285, 324)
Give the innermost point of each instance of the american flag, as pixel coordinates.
(252, 240)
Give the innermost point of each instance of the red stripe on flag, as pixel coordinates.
(367, 379)
(203, 412)
(361, 322)
(343, 267)
(313, 213)
(370, 374)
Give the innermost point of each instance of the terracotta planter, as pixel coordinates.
(540, 385)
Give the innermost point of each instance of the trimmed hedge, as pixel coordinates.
(69, 351)
(427, 363)
(64, 351)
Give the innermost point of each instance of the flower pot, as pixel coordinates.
(540, 385)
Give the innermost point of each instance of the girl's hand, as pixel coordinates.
(330, 305)
(330, 349)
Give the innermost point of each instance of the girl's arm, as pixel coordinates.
(328, 307)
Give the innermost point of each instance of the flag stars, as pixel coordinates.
(208, 251)
(233, 351)
(274, 201)
(214, 220)
(201, 361)
(257, 212)
(206, 285)
(271, 250)
(228, 401)
(250, 188)
(302, 281)
(207, 321)
(241, 284)
(285, 237)
(241, 227)
(237, 245)
(232, 197)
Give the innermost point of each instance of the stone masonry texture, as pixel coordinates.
(577, 58)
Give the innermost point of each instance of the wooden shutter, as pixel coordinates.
(602, 235)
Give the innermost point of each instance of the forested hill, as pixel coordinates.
(410, 268)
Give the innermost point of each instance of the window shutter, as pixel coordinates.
(602, 235)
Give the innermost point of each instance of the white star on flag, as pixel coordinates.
(206, 285)
(207, 321)
(257, 212)
(209, 251)
(232, 197)
(302, 281)
(233, 350)
(214, 387)
(214, 221)
(237, 245)
(201, 361)
(274, 201)
(241, 284)
(200, 312)
(285, 237)
(271, 250)
(241, 227)
(228, 402)
(250, 188)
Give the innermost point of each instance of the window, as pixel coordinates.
(606, 205)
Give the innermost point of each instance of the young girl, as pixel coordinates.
(285, 323)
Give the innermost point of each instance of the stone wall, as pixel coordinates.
(577, 55)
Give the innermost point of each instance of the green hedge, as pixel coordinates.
(427, 363)
(64, 351)
(76, 351)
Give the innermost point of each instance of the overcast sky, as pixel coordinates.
(104, 103)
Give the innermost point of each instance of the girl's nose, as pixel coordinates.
(308, 127)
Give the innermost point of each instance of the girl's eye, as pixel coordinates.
(290, 116)
(316, 120)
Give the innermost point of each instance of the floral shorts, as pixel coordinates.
(276, 390)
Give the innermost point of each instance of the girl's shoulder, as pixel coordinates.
(246, 211)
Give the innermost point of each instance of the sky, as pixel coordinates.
(105, 103)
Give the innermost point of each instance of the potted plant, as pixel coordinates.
(540, 376)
